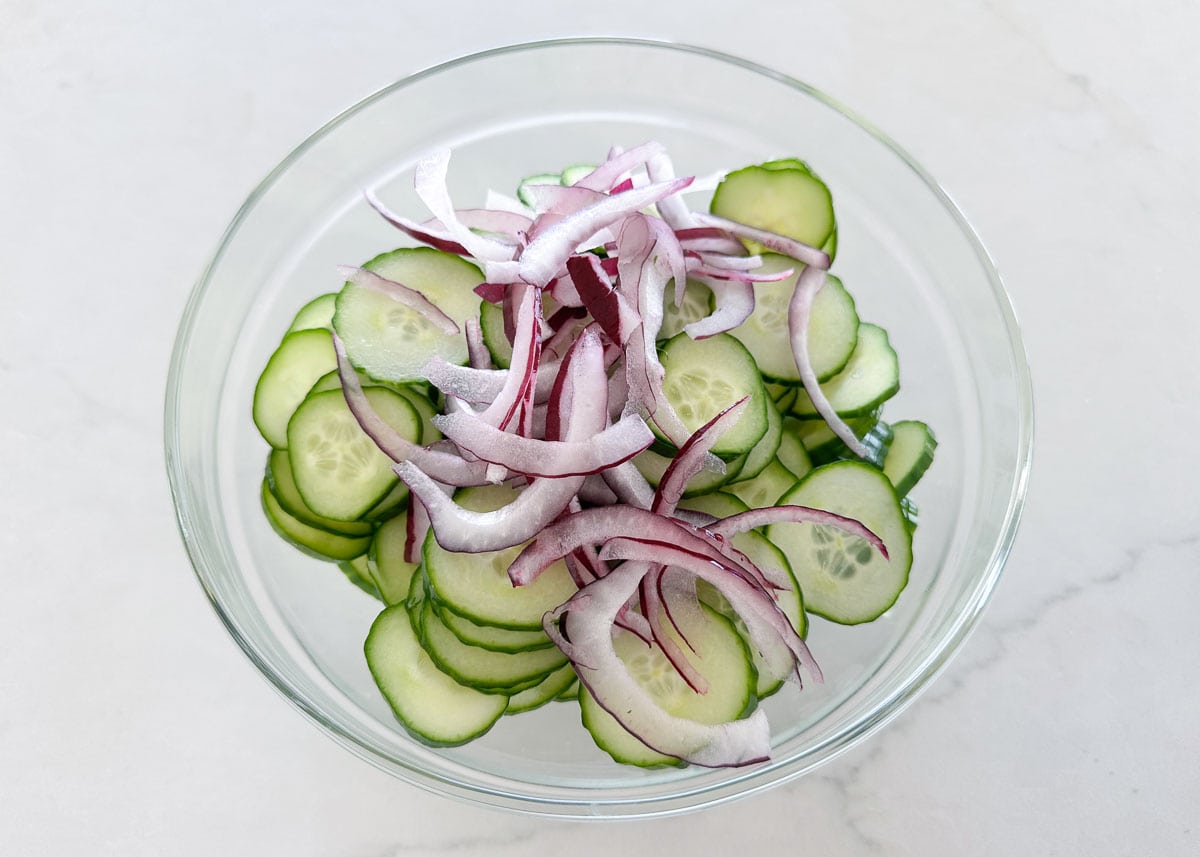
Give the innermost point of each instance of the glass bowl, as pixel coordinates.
(905, 251)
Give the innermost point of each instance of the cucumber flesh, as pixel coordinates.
(703, 377)
(313, 541)
(283, 486)
(302, 358)
(317, 314)
(339, 470)
(788, 201)
(392, 342)
(910, 454)
(869, 378)
(842, 577)
(431, 705)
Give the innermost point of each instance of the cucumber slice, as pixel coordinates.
(548, 689)
(765, 450)
(431, 705)
(317, 314)
(910, 455)
(575, 172)
(788, 201)
(391, 342)
(766, 488)
(875, 434)
(523, 193)
(389, 571)
(492, 638)
(719, 504)
(697, 304)
(842, 577)
(832, 329)
(652, 466)
(302, 358)
(476, 586)
(339, 470)
(283, 486)
(483, 669)
(705, 376)
(311, 540)
(415, 395)
(720, 656)
(870, 378)
(357, 572)
(791, 453)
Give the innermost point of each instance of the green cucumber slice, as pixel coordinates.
(313, 541)
(302, 358)
(339, 470)
(832, 329)
(550, 688)
(357, 571)
(870, 378)
(653, 466)
(483, 669)
(431, 705)
(283, 486)
(766, 488)
(910, 454)
(391, 342)
(317, 314)
(842, 577)
(791, 453)
(492, 638)
(476, 586)
(697, 304)
(763, 453)
(705, 376)
(788, 201)
(391, 573)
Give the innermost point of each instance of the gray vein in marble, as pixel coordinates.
(845, 783)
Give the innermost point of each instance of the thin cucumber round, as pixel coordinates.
(788, 201)
(313, 541)
(910, 454)
(842, 577)
(357, 572)
(870, 378)
(392, 342)
(697, 304)
(391, 573)
(791, 453)
(476, 586)
(832, 329)
(763, 452)
(339, 470)
(653, 466)
(302, 358)
(484, 669)
(317, 314)
(283, 486)
(766, 488)
(492, 638)
(431, 705)
(547, 690)
(705, 376)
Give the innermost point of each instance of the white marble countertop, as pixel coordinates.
(130, 131)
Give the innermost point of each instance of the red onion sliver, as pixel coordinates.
(744, 521)
(691, 458)
(733, 303)
(440, 240)
(799, 311)
(401, 294)
(430, 185)
(798, 250)
(586, 639)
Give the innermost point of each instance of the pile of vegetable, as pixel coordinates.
(588, 444)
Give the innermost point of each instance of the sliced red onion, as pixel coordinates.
(430, 185)
(481, 385)
(401, 294)
(444, 467)
(500, 221)
(630, 486)
(595, 492)
(659, 168)
(549, 458)
(558, 201)
(744, 521)
(733, 302)
(596, 525)
(582, 629)
(655, 609)
(458, 529)
(416, 528)
(522, 370)
(434, 237)
(799, 311)
(771, 633)
(693, 457)
(493, 293)
(477, 353)
(608, 306)
(606, 176)
(798, 250)
(545, 256)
